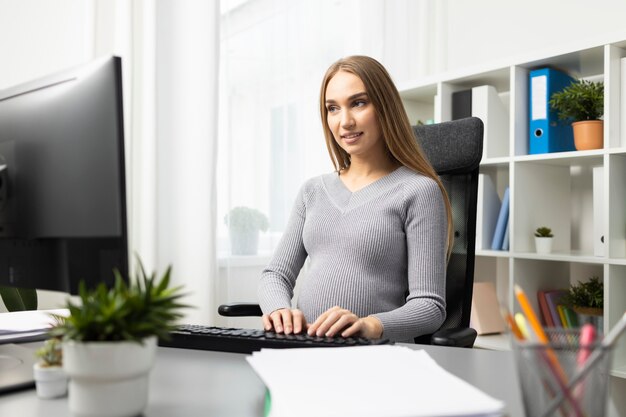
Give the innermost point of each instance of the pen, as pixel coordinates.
(520, 322)
(512, 325)
(552, 360)
(531, 317)
(607, 343)
(587, 337)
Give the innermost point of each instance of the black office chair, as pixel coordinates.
(455, 150)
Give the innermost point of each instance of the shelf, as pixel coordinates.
(497, 162)
(493, 342)
(423, 92)
(619, 372)
(555, 189)
(571, 256)
(617, 261)
(582, 63)
(493, 253)
(594, 157)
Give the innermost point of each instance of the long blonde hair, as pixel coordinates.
(396, 130)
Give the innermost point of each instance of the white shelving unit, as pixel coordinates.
(553, 189)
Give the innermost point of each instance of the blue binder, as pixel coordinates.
(546, 132)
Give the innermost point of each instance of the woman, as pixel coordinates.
(377, 231)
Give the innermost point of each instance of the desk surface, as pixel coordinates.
(202, 383)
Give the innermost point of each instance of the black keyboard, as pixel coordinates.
(191, 336)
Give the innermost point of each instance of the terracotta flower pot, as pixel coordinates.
(588, 134)
(591, 315)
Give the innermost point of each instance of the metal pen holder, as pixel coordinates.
(562, 378)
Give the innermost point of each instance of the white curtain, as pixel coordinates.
(273, 56)
(170, 54)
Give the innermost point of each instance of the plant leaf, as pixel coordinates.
(19, 299)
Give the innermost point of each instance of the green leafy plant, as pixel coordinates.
(588, 294)
(131, 312)
(581, 100)
(51, 353)
(19, 299)
(246, 219)
(543, 232)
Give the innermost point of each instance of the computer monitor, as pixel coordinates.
(62, 179)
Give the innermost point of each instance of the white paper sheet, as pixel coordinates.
(391, 381)
(28, 321)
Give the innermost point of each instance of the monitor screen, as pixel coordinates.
(62, 179)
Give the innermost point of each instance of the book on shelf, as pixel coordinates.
(505, 239)
(553, 298)
(487, 209)
(561, 310)
(544, 309)
(503, 218)
(571, 318)
(461, 104)
(485, 103)
(553, 312)
(485, 316)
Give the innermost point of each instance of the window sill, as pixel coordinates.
(226, 260)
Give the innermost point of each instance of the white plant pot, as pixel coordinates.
(50, 381)
(543, 245)
(108, 379)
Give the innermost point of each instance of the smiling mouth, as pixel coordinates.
(351, 137)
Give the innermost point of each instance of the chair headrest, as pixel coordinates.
(452, 147)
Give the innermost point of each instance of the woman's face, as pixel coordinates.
(351, 116)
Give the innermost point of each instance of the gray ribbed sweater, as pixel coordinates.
(379, 251)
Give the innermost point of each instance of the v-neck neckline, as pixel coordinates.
(371, 184)
(346, 200)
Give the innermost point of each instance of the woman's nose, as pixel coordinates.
(347, 121)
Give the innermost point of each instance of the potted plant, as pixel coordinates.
(50, 379)
(110, 339)
(587, 300)
(244, 224)
(543, 240)
(582, 102)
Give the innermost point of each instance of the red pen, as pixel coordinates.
(587, 337)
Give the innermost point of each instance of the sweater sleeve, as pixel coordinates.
(426, 237)
(278, 279)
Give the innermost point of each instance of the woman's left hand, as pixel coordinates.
(339, 321)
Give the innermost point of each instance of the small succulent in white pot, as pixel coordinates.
(50, 378)
(543, 240)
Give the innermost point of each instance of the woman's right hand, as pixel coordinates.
(285, 320)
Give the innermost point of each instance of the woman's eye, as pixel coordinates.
(360, 103)
(332, 109)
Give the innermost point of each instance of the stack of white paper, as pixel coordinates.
(366, 381)
(20, 324)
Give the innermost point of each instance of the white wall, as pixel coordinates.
(39, 37)
(483, 31)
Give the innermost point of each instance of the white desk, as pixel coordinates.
(202, 383)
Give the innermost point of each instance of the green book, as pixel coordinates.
(571, 318)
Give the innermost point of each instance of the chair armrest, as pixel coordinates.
(459, 337)
(240, 310)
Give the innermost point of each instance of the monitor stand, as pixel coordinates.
(16, 367)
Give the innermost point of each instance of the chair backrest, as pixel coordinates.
(455, 150)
